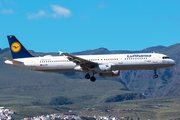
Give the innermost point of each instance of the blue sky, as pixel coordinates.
(77, 25)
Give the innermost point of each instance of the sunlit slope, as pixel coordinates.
(22, 86)
(142, 80)
(139, 81)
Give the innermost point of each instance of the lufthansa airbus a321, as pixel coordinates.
(105, 65)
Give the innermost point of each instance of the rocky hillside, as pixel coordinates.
(140, 81)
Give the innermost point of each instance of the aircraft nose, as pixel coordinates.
(172, 62)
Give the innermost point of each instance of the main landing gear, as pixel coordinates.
(92, 78)
(155, 74)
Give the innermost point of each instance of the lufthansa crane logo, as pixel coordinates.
(15, 47)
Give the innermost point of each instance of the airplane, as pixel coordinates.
(107, 65)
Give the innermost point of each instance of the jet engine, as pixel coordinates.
(103, 68)
(111, 74)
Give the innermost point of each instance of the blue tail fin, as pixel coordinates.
(17, 49)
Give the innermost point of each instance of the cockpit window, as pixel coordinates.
(165, 57)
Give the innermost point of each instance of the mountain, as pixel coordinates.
(25, 87)
(139, 81)
(142, 80)
(31, 93)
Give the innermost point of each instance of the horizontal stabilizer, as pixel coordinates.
(14, 61)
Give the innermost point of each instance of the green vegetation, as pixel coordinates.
(123, 97)
(60, 101)
(31, 93)
(155, 109)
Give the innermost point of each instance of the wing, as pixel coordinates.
(85, 64)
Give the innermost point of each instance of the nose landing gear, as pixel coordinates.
(155, 74)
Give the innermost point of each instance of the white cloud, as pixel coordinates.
(6, 11)
(57, 11)
(41, 13)
(60, 11)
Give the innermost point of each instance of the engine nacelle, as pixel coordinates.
(78, 68)
(111, 74)
(104, 68)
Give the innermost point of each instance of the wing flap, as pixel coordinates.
(80, 61)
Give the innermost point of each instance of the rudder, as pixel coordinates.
(17, 49)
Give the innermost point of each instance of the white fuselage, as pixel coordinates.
(139, 61)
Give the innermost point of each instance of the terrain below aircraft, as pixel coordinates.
(105, 65)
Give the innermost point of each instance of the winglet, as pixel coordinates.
(61, 53)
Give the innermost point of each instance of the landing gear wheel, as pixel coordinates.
(87, 76)
(155, 74)
(93, 79)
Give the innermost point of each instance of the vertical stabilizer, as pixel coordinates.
(17, 49)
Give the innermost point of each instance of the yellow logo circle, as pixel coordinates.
(15, 47)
